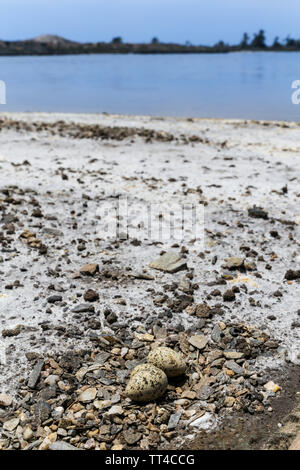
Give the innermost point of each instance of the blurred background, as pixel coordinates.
(247, 70)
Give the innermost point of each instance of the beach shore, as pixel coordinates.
(57, 171)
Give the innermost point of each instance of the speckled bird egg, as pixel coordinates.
(171, 362)
(146, 383)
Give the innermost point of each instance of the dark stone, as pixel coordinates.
(229, 296)
(12, 332)
(291, 275)
(41, 411)
(54, 298)
(257, 213)
(111, 318)
(35, 374)
(91, 296)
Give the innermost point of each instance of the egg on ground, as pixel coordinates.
(146, 383)
(171, 362)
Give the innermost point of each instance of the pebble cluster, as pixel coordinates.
(117, 396)
(95, 131)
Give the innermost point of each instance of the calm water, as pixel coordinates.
(238, 85)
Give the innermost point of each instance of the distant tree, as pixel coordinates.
(259, 40)
(188, 43)
(155, 40)
(117, 40)
(221, 46)
(245, 41)
(276, 43)
(290, 42)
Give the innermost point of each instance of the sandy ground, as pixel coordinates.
(237, 165)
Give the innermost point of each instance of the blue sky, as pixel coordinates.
(199, 21)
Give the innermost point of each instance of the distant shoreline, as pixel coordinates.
(55, 45)
(85, 53)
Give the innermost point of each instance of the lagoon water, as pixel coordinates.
(252, 85)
